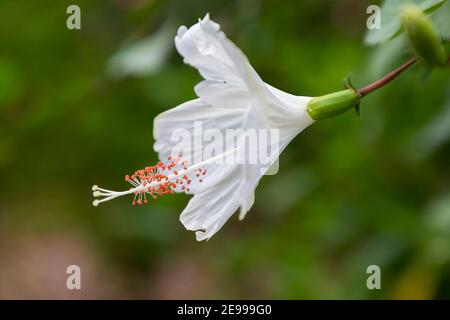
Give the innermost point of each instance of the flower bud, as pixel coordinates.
(423, 36)
(332, 104)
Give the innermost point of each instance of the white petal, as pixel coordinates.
(184, 117)
(208, 211)
(221, 94)
(232, 96)
(204, 47)
(181, 31)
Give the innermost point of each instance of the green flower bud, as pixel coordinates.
(423, 36)
(333, 104)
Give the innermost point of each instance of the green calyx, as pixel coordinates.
(333, 104)
(423, 36)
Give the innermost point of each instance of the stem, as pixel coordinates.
(386, 79)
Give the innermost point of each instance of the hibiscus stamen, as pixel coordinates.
(160, 179)
(154, 181)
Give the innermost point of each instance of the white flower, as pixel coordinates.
(231, 96)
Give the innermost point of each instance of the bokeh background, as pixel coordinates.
(77, 109)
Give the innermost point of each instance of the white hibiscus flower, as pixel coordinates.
(231, 96)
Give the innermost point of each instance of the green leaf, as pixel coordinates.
(390, 23)
(143, 57)
(441, 20)
(435, 135)
(387, 57)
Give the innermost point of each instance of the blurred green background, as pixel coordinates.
(77, 108)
